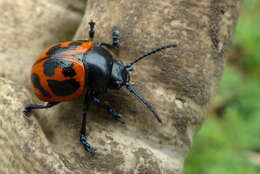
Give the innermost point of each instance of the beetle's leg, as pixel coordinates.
(29, 108)
(115, 44)
(115, 36)
(110, 47)
(83, 138)
(109, 110)
(91, 31)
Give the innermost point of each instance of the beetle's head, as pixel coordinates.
(119, 75)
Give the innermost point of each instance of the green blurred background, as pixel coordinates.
(229, 141)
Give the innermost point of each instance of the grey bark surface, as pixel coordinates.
(178, 82)
(28, 27)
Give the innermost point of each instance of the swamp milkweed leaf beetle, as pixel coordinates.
(63, 72)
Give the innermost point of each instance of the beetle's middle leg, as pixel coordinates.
(83, 138)
(109, 110)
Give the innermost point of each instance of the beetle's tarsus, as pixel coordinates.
(115, 35)
(83, 140)
(109, 110)
(116, 116)
(26, 112)
(121, 121)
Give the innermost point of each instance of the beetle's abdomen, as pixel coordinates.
(59, 74)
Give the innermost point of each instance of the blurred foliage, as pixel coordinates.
(229, 141)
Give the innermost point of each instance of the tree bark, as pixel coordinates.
(179, 82)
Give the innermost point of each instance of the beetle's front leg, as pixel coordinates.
(109, 110)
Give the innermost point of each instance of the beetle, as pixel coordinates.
(69, 69)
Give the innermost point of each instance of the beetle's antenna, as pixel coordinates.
(149, 53)
(131, 89)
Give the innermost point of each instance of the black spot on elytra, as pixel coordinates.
(38, 61)
(51, 64)
(37, 84)
(63, 88)
(57, 49)
(75, 44)
(68, 71)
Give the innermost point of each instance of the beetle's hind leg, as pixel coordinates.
(27, 110)
(83, 138)
(109, 110)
